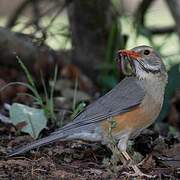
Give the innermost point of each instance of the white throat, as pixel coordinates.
(154, 84)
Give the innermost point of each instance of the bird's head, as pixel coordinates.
(145, 62)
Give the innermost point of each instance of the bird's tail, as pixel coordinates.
(35, 144)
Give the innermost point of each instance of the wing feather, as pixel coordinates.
(127, 94)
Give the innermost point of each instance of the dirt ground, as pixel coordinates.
(79, 160)
(157, 150)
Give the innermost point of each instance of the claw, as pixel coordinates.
(139, 174)
(137, 171)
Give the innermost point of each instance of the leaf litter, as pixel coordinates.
(158, 149)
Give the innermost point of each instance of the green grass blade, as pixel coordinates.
(27, 73)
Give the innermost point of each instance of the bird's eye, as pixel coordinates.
(146, 52)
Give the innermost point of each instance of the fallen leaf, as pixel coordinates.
(34, 118)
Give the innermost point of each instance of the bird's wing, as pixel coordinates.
(127, 94)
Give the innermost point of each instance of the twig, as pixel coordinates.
(5, 119)
(140, 21)
(161, 30)
(50, 10)
(141, 11)
(36, 13)
(174, 6)
(12, 20)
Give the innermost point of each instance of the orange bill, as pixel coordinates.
(129, 53)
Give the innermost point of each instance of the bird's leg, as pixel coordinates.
(134, 167)
(122, 146)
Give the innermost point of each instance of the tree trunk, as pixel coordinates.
(90, 24)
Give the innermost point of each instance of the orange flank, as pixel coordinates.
(134, 120)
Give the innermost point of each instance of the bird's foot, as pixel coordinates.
(137, 171)
(139, 174)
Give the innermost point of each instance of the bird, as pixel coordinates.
(131, 106)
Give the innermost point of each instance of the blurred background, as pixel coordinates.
(59, 55)
(81, 38)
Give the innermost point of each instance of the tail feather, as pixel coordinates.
(35, 144)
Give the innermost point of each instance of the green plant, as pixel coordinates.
(112, 125)
(112, 144)
(46, 104)
(76, 109)
(31, 84)
(49, 103)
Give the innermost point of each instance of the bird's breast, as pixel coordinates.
(141, 116)
(135, 119)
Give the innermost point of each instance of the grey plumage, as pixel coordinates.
(127, 94)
